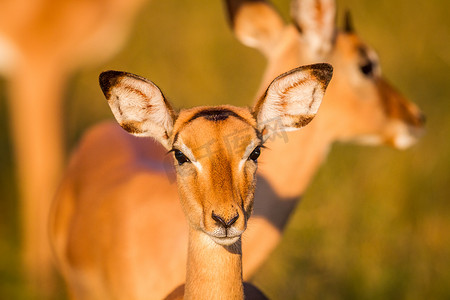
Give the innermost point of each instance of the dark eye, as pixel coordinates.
(181, 158)
(255, 154)
(367, 68)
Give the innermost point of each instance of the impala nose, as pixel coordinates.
(225, 222)
(422, 118)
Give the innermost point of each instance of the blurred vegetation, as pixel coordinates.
(375, 222)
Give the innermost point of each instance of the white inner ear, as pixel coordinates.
(140, 101)
(295, 94)
(258, 25)
(317, 20)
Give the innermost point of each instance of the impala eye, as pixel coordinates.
(255, 154)
(181, 158)
(367, 69)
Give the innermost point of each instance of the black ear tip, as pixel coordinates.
(323, 72)
(323, 66)
(107, 79)
(348, 22)
(232, 8)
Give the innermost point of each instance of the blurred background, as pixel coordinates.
(375, 223)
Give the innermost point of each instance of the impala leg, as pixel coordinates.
(36, 115)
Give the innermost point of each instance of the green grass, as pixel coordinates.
(375, 222)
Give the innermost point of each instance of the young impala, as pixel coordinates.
(41, 44)
(118, 228)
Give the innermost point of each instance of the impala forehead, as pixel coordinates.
(216, 133)
(213, 113)
(228, 138)
(351, 46)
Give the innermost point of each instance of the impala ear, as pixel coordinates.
(138, 105)
(292, 99)
(348, 22)
(255, 23)
(316, 20)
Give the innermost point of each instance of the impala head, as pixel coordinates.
(360, 104)
(216, 148)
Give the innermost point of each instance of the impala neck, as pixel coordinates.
(213, 271)
(292, 159)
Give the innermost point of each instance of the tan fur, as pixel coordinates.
(48, 40)
(356, 107)
(117, 226)
(250, 292)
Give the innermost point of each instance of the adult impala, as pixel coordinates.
(360, 106)
(116, 214)
(41, 44)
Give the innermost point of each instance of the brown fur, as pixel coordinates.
(303, 121)
(117, 227)
(218, 189)
(217, 165)
(250, 292)
(132, 127)
(230, 191)
(350, 109)
(354, 106)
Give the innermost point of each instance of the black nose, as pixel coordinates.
(224, 222)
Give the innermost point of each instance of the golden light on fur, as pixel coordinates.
(353, 109)
(359, 105)
(214, 152)
(42, 44)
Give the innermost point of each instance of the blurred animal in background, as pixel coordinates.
(360, 106)
(117, 227)
(42, 43)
